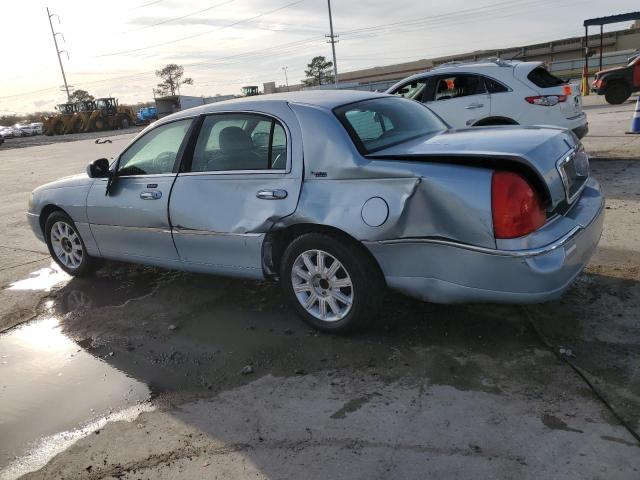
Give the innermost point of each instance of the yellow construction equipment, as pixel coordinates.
(58, 123)
(110, 116)
(80, 120)
(89, 116)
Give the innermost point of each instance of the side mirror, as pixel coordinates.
(98, 168)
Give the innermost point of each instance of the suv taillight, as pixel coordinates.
(546, 100)
(516, 207)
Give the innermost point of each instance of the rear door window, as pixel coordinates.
(541, 78)
(239, 141)
(455, 86)
(493, 86)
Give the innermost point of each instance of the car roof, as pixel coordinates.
(477, 66)
(327, 99)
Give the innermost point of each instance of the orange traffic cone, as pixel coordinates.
(635, 121)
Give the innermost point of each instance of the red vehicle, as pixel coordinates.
(617, 84)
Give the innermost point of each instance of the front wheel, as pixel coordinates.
(332, 283)
(617, 93)
(66, 246)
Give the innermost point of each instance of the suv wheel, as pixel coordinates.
(333, 285)
(617, 93)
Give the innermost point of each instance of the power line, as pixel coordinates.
(148, 4)
(291, 4)
(183, 16)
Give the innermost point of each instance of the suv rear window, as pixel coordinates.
(540, 77)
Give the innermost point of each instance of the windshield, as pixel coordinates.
(383, 122)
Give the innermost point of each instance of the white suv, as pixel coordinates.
(497, 92)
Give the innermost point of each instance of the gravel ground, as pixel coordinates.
(37, 140)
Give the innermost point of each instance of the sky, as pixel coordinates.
(115, 46)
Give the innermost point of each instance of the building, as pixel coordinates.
(564, 58)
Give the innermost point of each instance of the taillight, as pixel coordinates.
(546, 100)
(515, 206)
(597, 83)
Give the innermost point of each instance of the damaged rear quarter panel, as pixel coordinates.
(424, 199)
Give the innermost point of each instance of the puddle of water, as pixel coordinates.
(48, 385)
(42, 280)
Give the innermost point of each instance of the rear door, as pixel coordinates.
(238, 182)
(131, 222)
(460, 99)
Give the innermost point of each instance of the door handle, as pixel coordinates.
(151, 195)
(474, 105)
(272, 194)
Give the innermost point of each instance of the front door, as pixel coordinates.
(237, 184)
(131, 221)
(460, 99)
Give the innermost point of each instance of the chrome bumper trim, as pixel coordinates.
(531, 252)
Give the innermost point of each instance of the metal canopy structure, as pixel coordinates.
(623, 17)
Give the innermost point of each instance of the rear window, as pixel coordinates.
(383, 122)
(540, 77)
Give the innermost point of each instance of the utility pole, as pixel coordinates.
(332, 40)
(284, 69)
(58, 52)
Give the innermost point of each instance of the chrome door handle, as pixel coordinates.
(272, 194)
(474, 105)
(151, 195)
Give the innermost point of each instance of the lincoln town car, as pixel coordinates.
(338, 195)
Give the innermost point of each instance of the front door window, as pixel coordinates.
(156, 152)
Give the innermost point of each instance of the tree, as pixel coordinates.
(318, 72)
(172, 79)
(80, 96)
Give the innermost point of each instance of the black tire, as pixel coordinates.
(87, 265)
(58, 128)
(617, 93)
(367, 282)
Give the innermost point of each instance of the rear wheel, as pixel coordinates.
(617, 93)
(66, 246)
(58, 128)
(333, 285)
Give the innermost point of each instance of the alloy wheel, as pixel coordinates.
(66, 245)
(322, 285)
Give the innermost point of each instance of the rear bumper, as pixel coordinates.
(440, 271)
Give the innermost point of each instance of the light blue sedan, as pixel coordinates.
(338, 195)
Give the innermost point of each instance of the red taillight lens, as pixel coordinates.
(597, 83)
(546, 100)
(516, 207)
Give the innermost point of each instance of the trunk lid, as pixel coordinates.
(553, 155)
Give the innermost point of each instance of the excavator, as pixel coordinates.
(58, 123)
